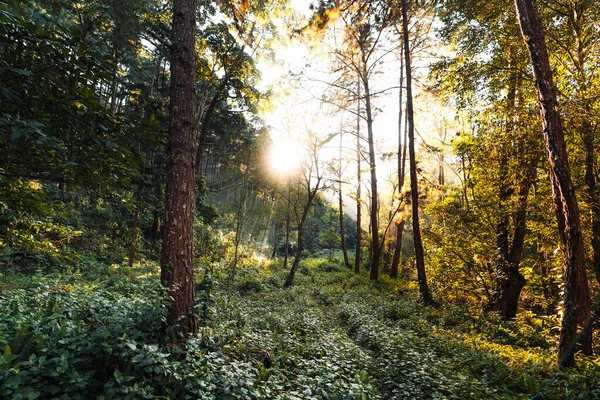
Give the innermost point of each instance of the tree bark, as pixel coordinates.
(510, 281)
(177, 269)
(342, 230)
(134, 230)
(239, 226)
(287, 227)
(591, 182)
(401, 176)
(577, 308)
(414, 187)
(357, 255)
(375, 248)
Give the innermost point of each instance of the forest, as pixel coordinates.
(299, 199)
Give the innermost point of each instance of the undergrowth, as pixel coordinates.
(334, 335)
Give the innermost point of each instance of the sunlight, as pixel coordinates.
(285, 157)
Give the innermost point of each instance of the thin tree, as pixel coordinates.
(311, 182)
(576, 292)
(341, 204)
(177, 269)
(358, 253)
(414, 187)
(401, 174)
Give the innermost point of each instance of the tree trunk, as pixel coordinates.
(177, 269)
(114, 84)
(134, 230)
(64, 190)
(311, 194)
(357, 255)
(239, 226)
(287, 228)
(397, 250)
(341, 208)
(510, 280)
(375, 248)
(577, 308)
(342, 230)
(591, 183)
(290, 277)
(414, 187)
(275, 242)
(401, 176)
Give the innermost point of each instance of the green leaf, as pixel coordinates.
(118, 376)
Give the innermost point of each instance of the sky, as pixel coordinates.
(297, 109)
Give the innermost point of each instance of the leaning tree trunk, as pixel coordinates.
(177, 269)
(576, 292)
(301, 226)
(414, 188)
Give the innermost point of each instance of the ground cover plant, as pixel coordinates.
(334, 335)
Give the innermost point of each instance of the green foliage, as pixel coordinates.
(334, 335)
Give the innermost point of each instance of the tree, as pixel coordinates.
(576, 293)
(364, 25)
(414, 188)
(177, 268)
(311, 181)
(340, 172)
(401, 172)
(574, 43)
(501, 156)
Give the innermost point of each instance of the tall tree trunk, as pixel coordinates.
(287, 227)
(358, 252)
(177, 268)
(401, 175)
(275, 242)
(375, 248)
(134, 230)
(239, 226)
(593, 194)
(341, 208)
(114, 84)
(342, 230)
(414, 187)
(577, 308)
(509, 280)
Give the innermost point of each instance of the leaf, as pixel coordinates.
(21, 71)
(118, 376)
(138, 358)
(7, 351)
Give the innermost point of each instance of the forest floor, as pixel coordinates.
(333, 335)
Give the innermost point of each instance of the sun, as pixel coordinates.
(285, 157)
